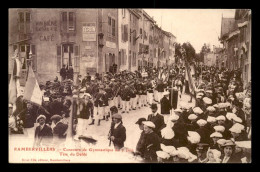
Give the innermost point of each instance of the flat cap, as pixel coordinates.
(149, 124)
(221, 117)
(40, 116)
(117, 116)
(216, 134)
(140, 120)
(56, 117)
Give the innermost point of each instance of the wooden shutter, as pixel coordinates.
(76, 58)
(126, 32)
(58, 58)
(122, 33)
(34, 58)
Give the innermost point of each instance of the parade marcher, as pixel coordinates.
(85, 112)
(156, 118)
(165, 107)
(160, 89)
(150, 93)
(43, 133)
(99, 106)
(133, 99)
(118, 133)
(126, 96)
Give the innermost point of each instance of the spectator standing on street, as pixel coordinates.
(70, 73)
(63, 73)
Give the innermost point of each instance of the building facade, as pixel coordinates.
(236, 39)
(90, 40)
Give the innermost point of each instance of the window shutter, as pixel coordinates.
(134, 40)
(34, 57)
(122, 32)
(126, 32)
(76, 58)
(58, 58)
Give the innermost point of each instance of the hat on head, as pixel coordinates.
(197, 110)
(230, 116)
(167, 149)
(193, 137)
(140, 120)
(207, 100)
(215, 105)
(237, 119)
(221, 142)
(222, 105)
(209, 91)
(219, 128)
(40, 116)
(239, 126)
(202, 146)
(216, 134)
(235, 130)
(192, 117)
(167, 133)
(211, 119)
(221, 118)
(162, 154)
(201, 122)
(178, 110)
(153, 106)
(117, 116)
(211, 109)
(75, 96)
(174, 118)
(228, 143)
(149, 124)
(244, 144)
(56, 117)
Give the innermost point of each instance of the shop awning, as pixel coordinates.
(233, 34)
(20, 41)
(242, 24)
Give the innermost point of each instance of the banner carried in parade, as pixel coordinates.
(14, 84)
(32, 90)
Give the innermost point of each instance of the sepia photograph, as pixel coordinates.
(129, 85)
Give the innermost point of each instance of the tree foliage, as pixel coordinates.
(190, 51)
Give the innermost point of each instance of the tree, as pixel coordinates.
(190, 51)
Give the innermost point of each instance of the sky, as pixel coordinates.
(197, 26)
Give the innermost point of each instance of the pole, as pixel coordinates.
(143, 37)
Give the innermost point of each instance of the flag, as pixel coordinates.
(14, 84)
(12, 90)
(32, 90)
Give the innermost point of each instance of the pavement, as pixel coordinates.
(99, 133)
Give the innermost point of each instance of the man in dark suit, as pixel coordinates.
(165, 107)
(117, 133)
(156, 118)
(43, 133)
(60, 129)
(63, 73)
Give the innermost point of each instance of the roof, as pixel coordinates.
(227, 25)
